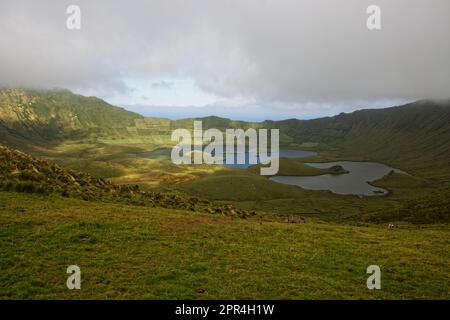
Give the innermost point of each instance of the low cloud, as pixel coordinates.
(163, 84)
(267, 51)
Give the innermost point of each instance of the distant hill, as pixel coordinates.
(415, 136)
(45, 116)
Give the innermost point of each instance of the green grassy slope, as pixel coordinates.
(28, 117)
(129, 252)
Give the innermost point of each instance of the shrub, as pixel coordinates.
(26, 186)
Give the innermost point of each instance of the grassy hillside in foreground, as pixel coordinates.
(129, 252)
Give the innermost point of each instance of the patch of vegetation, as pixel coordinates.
(296, 167)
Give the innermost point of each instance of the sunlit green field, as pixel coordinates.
(128, 252)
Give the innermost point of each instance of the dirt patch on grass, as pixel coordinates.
(180, 225)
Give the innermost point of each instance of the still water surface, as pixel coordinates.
(355, 182)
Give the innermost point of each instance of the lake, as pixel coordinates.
(284, 153)
(164, 154)
(356, 182)
(353, 183)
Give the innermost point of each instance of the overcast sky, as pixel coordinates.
(291, 58)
